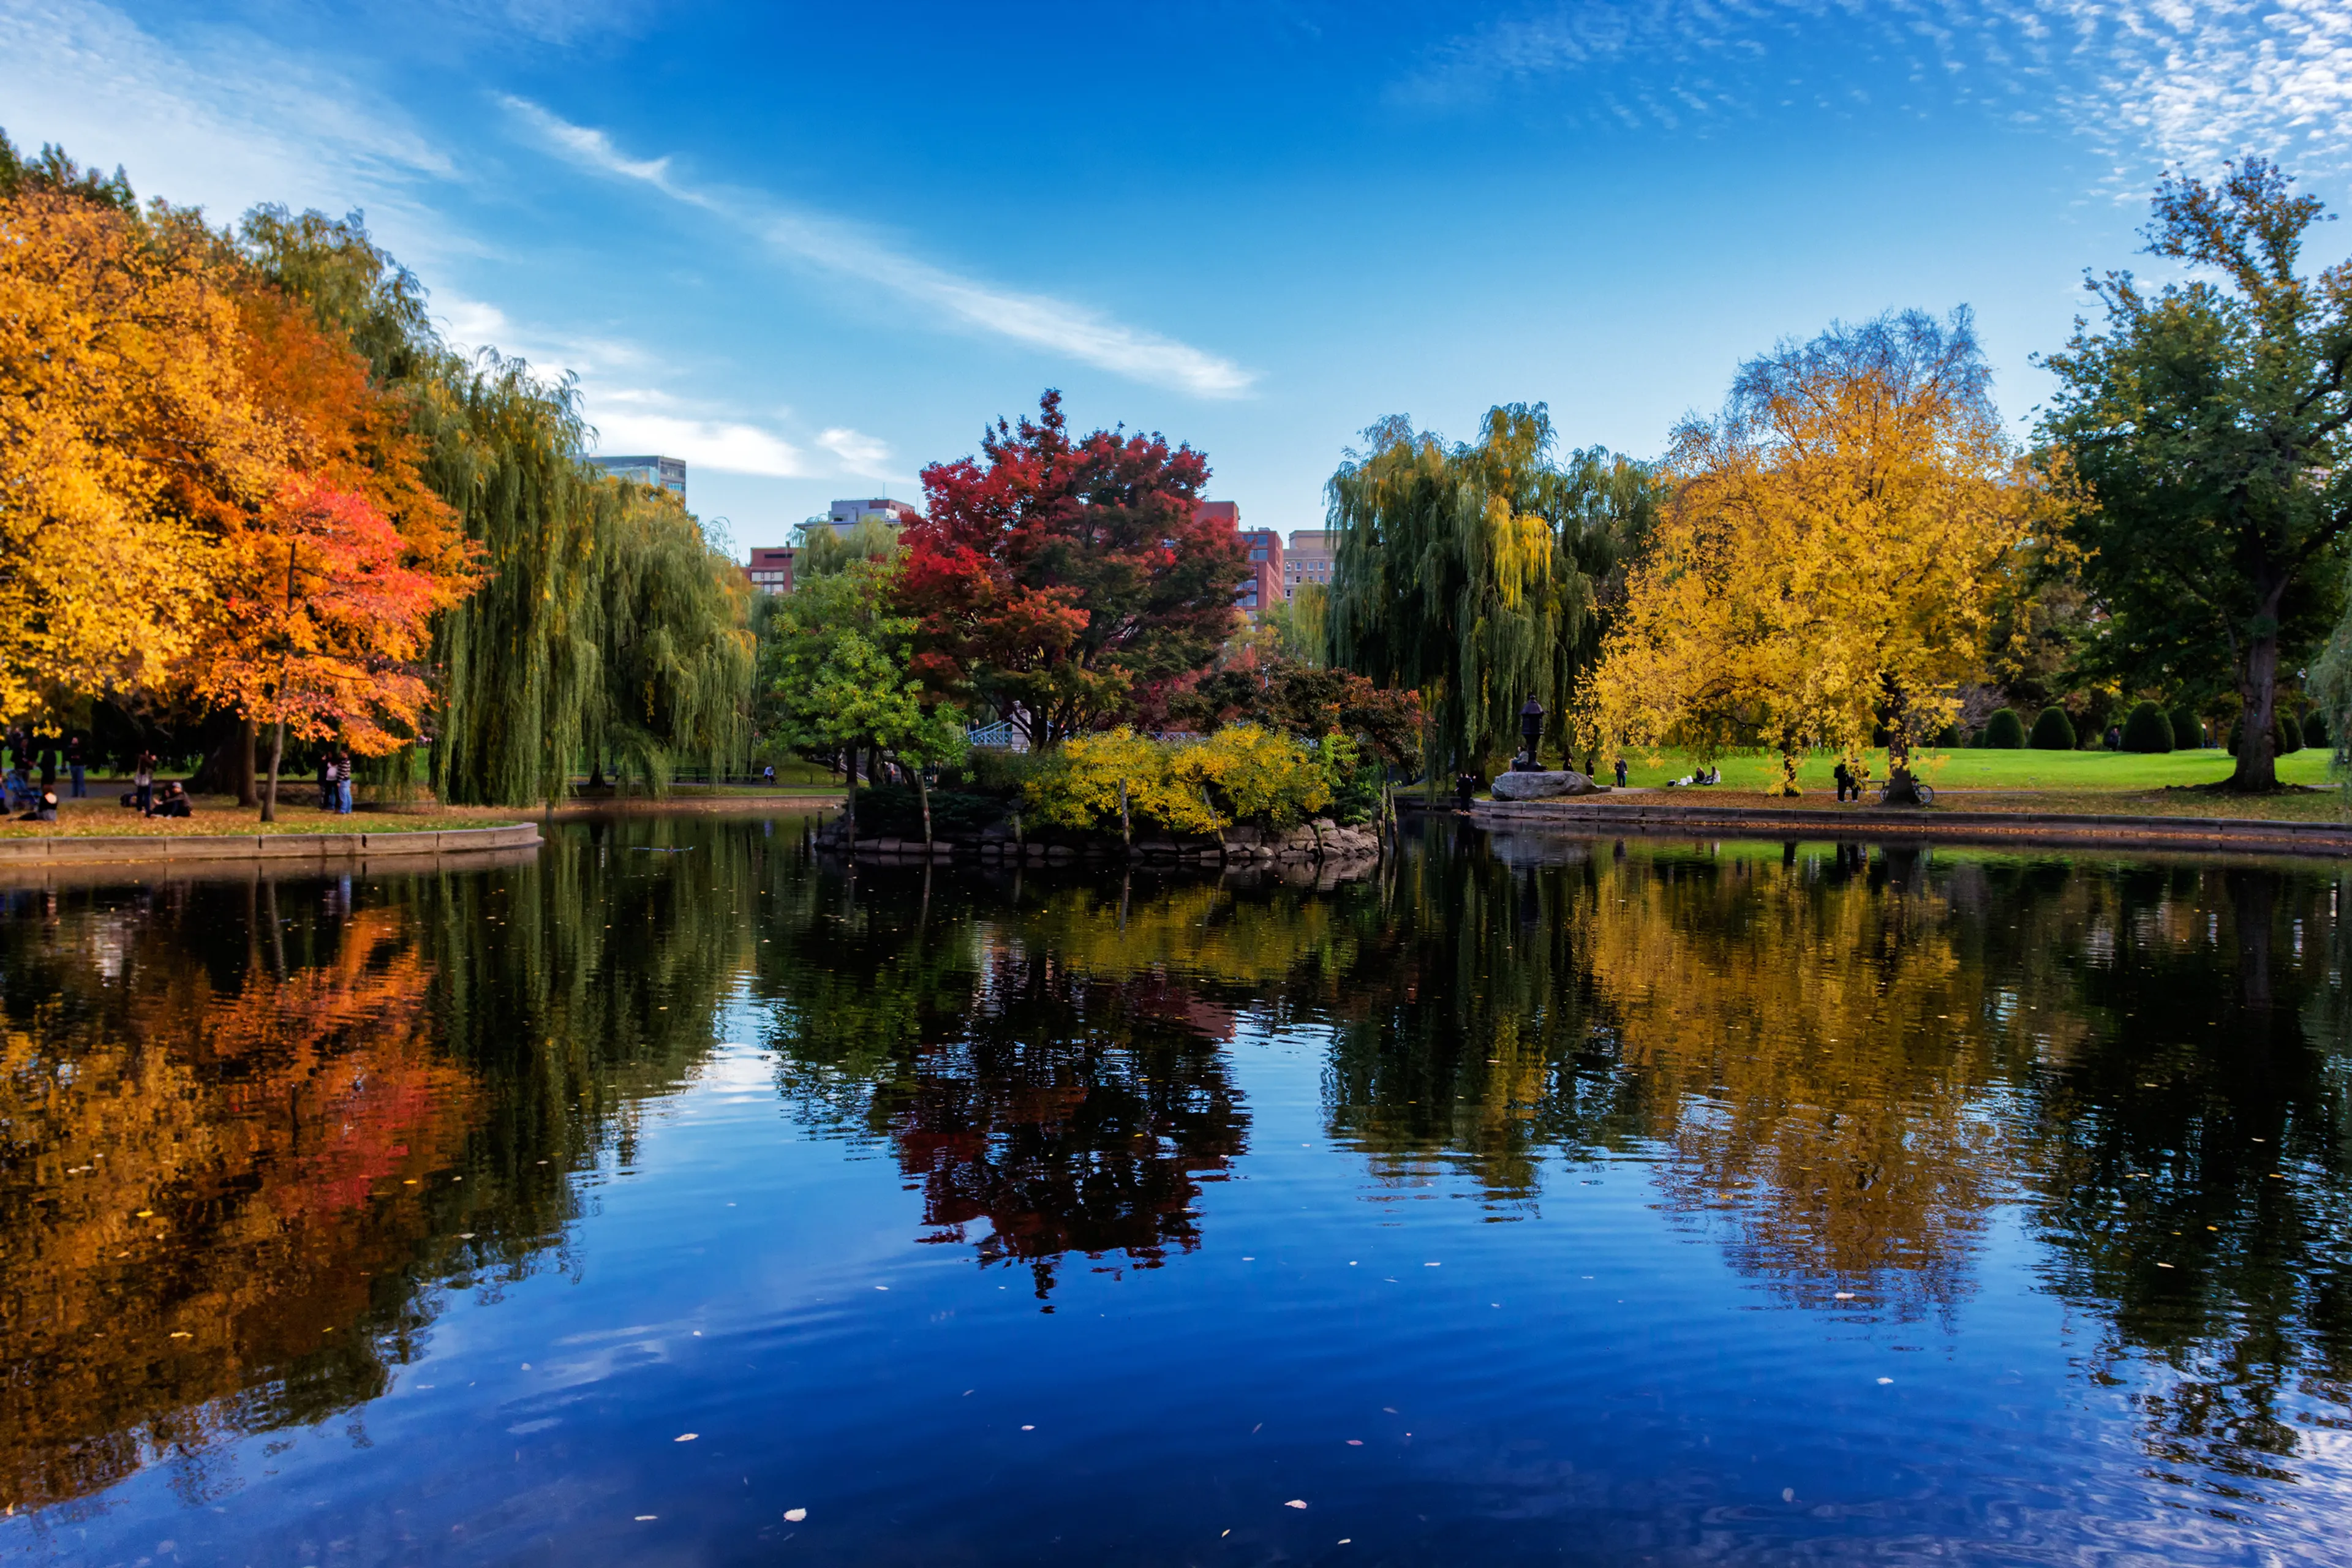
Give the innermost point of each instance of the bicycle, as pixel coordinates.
(1926, 792)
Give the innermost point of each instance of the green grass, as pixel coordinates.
(1965, 769)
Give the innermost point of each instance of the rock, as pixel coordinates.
(1540, 787)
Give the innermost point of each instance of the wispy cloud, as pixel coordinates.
(2148, 81)
(850, 251)
(222, 120)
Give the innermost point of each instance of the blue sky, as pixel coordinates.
(811, 248)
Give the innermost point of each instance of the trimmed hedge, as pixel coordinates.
(2148, 729)
(2315, 728)
(2005, 731)
(2188, 729)
(2052, 730)
(2290, 735)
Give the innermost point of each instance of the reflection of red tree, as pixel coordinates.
(1071, 1116)
(268, 1132)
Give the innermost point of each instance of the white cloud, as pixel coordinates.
(849, 251)
(224, 122)
(2149, 81)
(859, 454)
(734, 448)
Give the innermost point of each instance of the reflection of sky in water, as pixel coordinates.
(1695, 1201)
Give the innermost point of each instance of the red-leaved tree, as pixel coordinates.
(1061, 580)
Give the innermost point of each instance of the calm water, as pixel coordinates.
(674, 1198)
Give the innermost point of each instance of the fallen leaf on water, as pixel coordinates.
(1885, 1381)
(1845, 1295)
(182, 1334)
(643, 1517)
(686, 1436)
(1296, 1502)
(146, 1214)
(1788, 1494)
(1029, 1429)
(796, 1514)
(1355, 1442)
(1390, 1409)
(1433, 1265)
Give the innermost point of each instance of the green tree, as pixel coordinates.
(2203, 430)
(1479, 574)
(838, 677)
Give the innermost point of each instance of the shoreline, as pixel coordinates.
(2108, 832)
(128, 849)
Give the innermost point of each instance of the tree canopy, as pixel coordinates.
(1831, 554)
(1058, 580)
(2201, 432)
(1478, 574)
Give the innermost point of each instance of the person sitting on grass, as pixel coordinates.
(174, 802)
(44, 809)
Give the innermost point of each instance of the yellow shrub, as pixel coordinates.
(1242, 773)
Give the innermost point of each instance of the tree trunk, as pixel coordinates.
(2257, 771)
(849, 804)
(923, 793)
(276, 755)
(1126, 834)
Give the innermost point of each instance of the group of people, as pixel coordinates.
(335, 781)
(1849, 779)
(148, 799)
(30, 754)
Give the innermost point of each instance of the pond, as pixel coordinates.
(677, 1195)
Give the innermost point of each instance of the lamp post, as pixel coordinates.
(1532, 718)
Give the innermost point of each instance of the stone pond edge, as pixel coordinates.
(1981, 826)
(85, 850)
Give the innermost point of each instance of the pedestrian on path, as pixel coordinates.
(142, 783)
(74, 761)
(342, 782)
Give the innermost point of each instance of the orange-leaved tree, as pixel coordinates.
(318, 624)
(119, 389)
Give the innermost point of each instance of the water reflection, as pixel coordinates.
(260, 1135)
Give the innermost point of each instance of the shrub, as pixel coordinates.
(2053, 731)
(1240, 774)
(2188, 729)
(2148, 729)
(2005, 731)
(2290, 735)
(896, 810)
(2315, 728)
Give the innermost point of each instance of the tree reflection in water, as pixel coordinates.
(1048, 1065)
(1843, 1059)
(256, 1129)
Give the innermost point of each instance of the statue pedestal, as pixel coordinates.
(1540, 787)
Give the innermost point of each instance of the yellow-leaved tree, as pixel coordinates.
(119, 395)
(1829, 556)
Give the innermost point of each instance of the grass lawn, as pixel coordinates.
(2068, 772)
(2324, 807)
(100, 817)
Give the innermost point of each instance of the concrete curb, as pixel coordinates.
(326, 848)
(1980, 827)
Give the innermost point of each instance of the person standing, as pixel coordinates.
(142, 783)
(342, 782)
(326, 778)
(1844, 777)
(1621, 773)
(75, 763)
(48, 744)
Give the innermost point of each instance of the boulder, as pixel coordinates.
(1540, 787)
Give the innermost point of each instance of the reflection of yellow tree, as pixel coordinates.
(1817, 1059)
(214, 1178)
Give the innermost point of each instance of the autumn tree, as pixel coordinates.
(120, 394)
(2206, 433)
(1056, 578)
(316, 625)
(1831, 554)
(1478, 574)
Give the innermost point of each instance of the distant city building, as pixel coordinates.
(1308, 559)
(1263, 588)
(845, 515)
(668, 473)
(771, 571)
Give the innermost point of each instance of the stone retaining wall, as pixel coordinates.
(329, 848)
(2191, 833)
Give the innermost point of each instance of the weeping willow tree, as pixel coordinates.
(1478, 574)
(606, 626)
